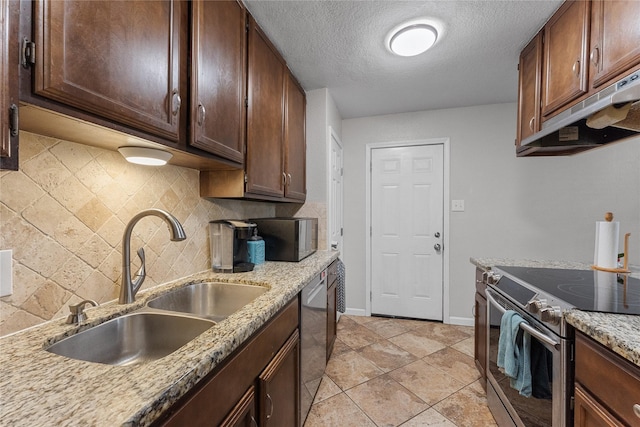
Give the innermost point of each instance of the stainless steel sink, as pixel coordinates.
(211, 300)
(133, 338)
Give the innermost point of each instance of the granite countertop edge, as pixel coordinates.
(41, 388)
(618, 332)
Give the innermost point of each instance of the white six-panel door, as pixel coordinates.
(407, 220)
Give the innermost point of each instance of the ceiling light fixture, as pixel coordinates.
(412, 39)
(145, 156)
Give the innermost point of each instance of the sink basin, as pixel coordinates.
(131, 339)
(211, 300)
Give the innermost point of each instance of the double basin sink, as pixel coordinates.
(165, 324)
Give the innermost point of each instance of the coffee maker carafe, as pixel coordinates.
(229, 248)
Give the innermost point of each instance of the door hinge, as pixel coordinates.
(370, 230)
(13, 120)
(28, 53)
(341, 231)
(341, 171)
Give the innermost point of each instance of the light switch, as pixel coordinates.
(457, 205)
(6, 273)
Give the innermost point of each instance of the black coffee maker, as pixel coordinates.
(229, 248)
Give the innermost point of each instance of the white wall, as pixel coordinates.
(522, 208)
(321, 113)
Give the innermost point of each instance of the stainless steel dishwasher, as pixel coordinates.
(313, 337)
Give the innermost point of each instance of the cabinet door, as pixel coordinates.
(530, 74)
(295, 155)
(8, 84)
(615, 39)
(244, 413)
(589, 413)
(119, 60)
(265, 116)
(331, 318)
(218, 76)
(565, 55)
(279, 386)
(480, 335)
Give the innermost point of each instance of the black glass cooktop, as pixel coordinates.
(588, 290)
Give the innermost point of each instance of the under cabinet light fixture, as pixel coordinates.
(412, 38)
(145, 156)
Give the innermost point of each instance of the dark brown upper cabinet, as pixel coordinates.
(118, 60)
(615, 40)
(8, 85)
(530, 68)
(265, 116)
(218, 78)
(295, 145)
(566, 40)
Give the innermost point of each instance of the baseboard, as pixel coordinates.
(355, 312)
(462, 321)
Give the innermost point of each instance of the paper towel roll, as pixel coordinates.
(606, 253)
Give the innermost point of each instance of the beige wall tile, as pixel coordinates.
(64, 212)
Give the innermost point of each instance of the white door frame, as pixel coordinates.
(446, 203)
(331, 135)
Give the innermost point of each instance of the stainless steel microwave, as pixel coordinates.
(288, 239)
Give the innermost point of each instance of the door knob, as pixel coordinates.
(437, 234)
(437, 247)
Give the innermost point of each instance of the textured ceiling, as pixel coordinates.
(340, 45)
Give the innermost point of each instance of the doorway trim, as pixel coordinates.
(445, 203)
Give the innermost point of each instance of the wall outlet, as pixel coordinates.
(457, 205)
(6, 273)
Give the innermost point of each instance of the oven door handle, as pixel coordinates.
(524, 326)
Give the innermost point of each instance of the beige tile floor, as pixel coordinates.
(391, 372)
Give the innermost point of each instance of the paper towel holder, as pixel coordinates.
(625, 267)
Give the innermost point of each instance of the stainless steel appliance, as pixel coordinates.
(542, 296)
(313, 337)
(229, 249)
(288, 239)
(586, 124)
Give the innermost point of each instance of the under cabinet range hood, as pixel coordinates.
(610, 115)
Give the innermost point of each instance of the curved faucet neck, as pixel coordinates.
(130, 287)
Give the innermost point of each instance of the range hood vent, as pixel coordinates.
(610, 115)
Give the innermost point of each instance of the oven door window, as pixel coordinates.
(546, 373)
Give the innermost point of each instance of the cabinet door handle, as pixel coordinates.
(284, 178)
(473, 310)
(176, 101)
(531, 122)
(201, 114)
(254, 422)
(595, 55)
(270, 406)
(289, 177)
(636, 409)
(14, 124)
(576, 68)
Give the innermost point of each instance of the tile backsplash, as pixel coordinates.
(64, 212)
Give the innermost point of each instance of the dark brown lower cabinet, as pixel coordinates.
(332, 306)
(480, 328)
(267, 366)
(244, 413)
(278, 384)
(607, 386)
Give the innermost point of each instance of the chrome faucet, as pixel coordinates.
(130, 287)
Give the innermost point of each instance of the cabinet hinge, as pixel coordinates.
(572, 404)
(13, 120)
(28, 56)
(246, 102)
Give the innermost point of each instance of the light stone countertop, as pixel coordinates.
(618, 332)
(39, 388)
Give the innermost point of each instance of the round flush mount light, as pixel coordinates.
(145, 156)
(412, 38)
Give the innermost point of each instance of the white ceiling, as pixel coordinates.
(339, 45)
